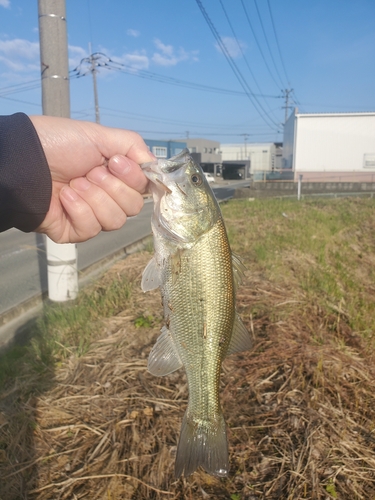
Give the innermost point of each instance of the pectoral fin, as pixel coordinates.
(164, 358)
(240, 340)
(238, 270)
(151, 278)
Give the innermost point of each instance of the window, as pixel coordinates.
(193, 149)
(160, 152)
(369, 160)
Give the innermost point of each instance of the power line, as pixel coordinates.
(235, 68)
(266, 38)
(182, 134)
(277, 41)
(14, 89)
(155, 119)
(110, 64)
(258, 44)
(242, 52)
(19, 100)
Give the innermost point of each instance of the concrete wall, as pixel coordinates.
(209, 150)
(262, 156)
(265, 189)
(330, 147)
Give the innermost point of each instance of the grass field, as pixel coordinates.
(80, 416)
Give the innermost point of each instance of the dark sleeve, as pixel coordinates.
(25, 178)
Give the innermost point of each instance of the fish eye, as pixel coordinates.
(196, 179)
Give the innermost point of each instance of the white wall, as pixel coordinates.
(259, 154)
(334, 143)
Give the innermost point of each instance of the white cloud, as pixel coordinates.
(137, 60)
(19, 49)
(233, 48)
(76, 54)
(5, 3)
(167, 55)
(134, 33)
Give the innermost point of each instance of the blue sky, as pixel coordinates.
(324, 50)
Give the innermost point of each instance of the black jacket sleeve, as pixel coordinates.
(25, 179)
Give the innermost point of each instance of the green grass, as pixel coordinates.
(324, 247)
(66, 329)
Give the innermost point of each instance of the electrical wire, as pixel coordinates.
(277, 41)
(111, 64)
(258, 45)
(19, 100)
(137, 116)
(267, 42)
(242, 52)
(19, 87)
(265, 116)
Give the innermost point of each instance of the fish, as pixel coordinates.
(198, 275)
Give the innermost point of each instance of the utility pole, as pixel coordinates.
(245, 138)
(61, 258)
(286, 92)
(93, 71)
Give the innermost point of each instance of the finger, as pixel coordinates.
(108, 213)
(129, 172)
(130, 201)
(115, 141)
(83, 222)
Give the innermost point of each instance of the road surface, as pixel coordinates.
(23, 266)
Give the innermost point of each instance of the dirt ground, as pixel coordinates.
(299, 409)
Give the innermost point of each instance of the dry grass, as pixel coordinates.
(299, 408)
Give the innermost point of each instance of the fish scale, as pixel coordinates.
(197, 275)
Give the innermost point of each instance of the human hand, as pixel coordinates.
(96, 178)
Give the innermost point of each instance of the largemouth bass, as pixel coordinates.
(198, 275)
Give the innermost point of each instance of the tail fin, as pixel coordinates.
(202, 443)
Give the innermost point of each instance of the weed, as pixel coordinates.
(144, 321)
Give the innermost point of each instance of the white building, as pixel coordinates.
(332, 147)
(262, 156)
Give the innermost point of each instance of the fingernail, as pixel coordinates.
(119, 165)
(69, 194)
(80, 184)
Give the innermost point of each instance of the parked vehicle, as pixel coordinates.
(232, 174)
(209, 177)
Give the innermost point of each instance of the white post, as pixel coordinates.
(299, 187)
(62, 271)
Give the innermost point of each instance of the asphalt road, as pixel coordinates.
(23, 267)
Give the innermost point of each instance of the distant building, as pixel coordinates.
(165, 149)
(332, 147)
(260, 157)
(207, 153)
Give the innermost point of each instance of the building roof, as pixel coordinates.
(351, 113)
